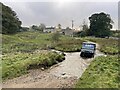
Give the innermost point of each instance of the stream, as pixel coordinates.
(62, 75)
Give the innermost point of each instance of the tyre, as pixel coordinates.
(82, 54)
(92, 55)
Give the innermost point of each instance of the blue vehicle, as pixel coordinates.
(88, 49)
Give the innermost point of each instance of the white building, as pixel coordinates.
(67, 31)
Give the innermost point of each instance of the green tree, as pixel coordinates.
(42, 27)
(55, 37)
(34, 28)
(84, 26)
(67, 28)
(84, 29)
(59, 26)
(100, 25)
(10, 22)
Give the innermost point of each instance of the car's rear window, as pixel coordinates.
(88, 46)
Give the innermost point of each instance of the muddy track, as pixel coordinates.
(62, 75)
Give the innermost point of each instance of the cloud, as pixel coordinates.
(53, 13)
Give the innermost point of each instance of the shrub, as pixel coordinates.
(16, 64)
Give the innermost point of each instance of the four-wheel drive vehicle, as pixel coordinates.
(88, 49)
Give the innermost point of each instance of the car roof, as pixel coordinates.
(89, 43)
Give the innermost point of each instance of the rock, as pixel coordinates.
(42, 68)
(63, 73)
(64, 77)
(63, 54)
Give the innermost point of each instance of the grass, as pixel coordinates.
(19, 51)
(102, 73)
(20, 54)
(25, 42)
(31, 41)
(16, 64)
(69, 44)
(108, 46)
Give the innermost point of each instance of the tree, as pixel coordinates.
(34, 28)
(67, 28)
(55, 37)
(59, 26)
(84, 26)
(58, 29)
(100, 25)
(42, 27)
(10, 22)
(84, 29)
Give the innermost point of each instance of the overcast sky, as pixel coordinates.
(53, 13)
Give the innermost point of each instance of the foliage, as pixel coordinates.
(16, 64)
(85, 29)
(67, 46)
(31, 41)
(82, 34)
(59, 26)
(24, 29)
(21, 51)
(34, 28)
(100, 25)
(108, 46)
(42, 27)
(102, 73)
(55, 36)
(115, 33)
(24, 42)
(10, 22)
(68, 28)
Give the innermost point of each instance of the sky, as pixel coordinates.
(52, 13)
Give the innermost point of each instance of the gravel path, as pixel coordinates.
(62, 75)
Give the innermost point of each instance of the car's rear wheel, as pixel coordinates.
(82, 54)
(92, 55)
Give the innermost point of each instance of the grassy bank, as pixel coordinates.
(108, 46)
(25, 42)
(69, 44)
(102, 73)
(16, 64)
(20, 51)
(30, 41)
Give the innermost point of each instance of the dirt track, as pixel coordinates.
(62, 75)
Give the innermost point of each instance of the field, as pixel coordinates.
(103, 71)
(16, 64)
(26, 50)
(22, 51)
(108, 46)
(31, 41)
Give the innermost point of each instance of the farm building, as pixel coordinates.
(67, 31)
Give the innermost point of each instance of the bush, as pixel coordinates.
(55, 36)
(28, 42)
(70, 45)
(16, 64)
(108, 46)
